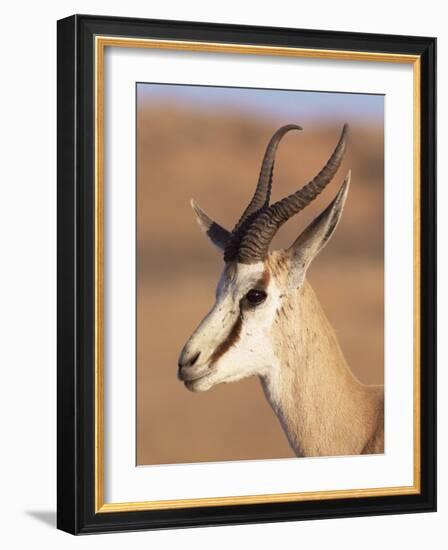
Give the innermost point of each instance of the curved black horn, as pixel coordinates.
(257, 236)
(262, 193)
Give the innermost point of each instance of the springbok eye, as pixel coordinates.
(256, 297)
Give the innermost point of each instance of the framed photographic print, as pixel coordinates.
(246, 274)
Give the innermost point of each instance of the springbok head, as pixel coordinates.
(234, 340)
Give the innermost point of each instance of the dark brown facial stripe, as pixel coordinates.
(231, 339)
(235, 332)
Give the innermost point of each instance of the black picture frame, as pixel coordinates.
(76, 301)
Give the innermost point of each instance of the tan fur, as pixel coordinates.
(288, 342)
(323, 408)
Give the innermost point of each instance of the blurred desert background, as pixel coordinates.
(207, 144)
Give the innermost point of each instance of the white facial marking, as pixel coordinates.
(233, 340)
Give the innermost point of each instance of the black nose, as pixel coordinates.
(190, 362)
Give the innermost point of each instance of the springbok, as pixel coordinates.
(267, 321)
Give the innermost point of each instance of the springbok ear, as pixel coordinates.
(217, 234)
(316, 235)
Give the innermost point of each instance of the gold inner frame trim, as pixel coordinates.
(101, 42)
